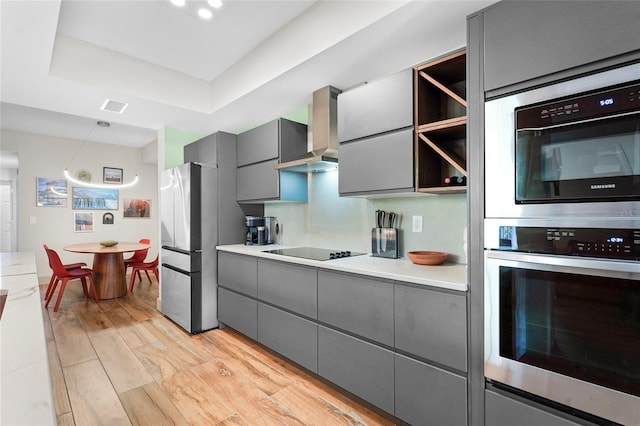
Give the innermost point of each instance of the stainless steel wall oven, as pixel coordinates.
(562, 244)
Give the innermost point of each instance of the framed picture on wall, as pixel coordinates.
(111, 175)
(82, 221)
(134, 207)
(51, 192)
(94, 198)
(107, 218)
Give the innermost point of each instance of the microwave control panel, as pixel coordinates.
(612, 101)
(622, 244)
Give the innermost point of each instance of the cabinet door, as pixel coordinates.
(259, 181)
(381, 163)
(426, 395)
(359, 367)
(376, 107)
(501, 410)
(292, 287)
(258, 144)
(518, 48)
(359, 305)
(238, 273)
(238, 312)
(294, 337)
(431, 325)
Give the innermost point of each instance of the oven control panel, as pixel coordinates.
(623, 244)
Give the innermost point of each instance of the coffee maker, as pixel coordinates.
(261, 230)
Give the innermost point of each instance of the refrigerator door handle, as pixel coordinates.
(177, 250)
(173, 268)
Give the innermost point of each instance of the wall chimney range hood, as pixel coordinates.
(323, 140)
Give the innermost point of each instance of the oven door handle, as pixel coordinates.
(568, 261)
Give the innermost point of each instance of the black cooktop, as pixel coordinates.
(314, 253)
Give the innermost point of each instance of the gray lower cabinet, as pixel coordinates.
(291, 287)
(238, 312)
(432, 325)
(381, 163)
(376, 107)
(501, 410)
(360, 305)
(293, 337)
(361, 368)
(518, 48)
(238, 272)
(426, 395)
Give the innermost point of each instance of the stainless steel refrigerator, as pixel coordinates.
(198, 212)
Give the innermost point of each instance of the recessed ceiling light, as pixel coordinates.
(114, 106)
(178, 3)
(205, 13)
(216, 4)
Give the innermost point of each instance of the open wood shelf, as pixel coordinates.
(441, 123)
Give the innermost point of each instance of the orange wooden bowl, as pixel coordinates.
(427, 257)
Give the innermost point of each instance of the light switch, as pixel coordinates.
(417, 224)
(32, 220)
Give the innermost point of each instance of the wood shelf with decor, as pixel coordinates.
(441, 123)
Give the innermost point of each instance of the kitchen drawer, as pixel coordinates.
(426, 395)
(291, 287)
(238, 273)
(431, 325)
(291, 336)
(258, 144)
(501, 410)
(238, 312)
(359, 367)
(359, 305)
(377, 107)
(259, 181)
(382, 163)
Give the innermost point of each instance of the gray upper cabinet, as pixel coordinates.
(431, 325)
(259, 150)
(381, 106)
(357, 304)
(524, 41)
(291, 287)
(380, 164)
(259, 144)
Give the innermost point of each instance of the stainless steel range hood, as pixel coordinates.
(323, 139)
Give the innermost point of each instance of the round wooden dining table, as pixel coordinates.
(108, 266)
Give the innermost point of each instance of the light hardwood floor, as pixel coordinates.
(120, 362)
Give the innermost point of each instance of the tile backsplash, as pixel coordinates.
(328, 220)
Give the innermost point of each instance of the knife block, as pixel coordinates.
(384, 242)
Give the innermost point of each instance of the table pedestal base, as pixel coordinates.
(109, 275)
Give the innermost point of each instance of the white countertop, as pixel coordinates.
(450, 276)
(25, 381)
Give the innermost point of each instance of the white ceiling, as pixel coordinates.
(252, 62)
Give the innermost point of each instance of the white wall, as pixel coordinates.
(345, 223)
(48, 156)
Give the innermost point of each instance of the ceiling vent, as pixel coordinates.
(114, 106)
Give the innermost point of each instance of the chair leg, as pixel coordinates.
(155, 272)
(60, 293)
(132, 280)
(84, 287)
(53, 290)
(50, 286)
(93, 287)
(139, 276)
(148, 277)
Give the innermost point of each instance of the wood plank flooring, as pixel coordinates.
(120, 362)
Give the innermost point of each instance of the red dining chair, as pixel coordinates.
(53, 275)
(146, 267)
(66, 275)
(138, 256)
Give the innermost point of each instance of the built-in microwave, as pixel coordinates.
(570, 149)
